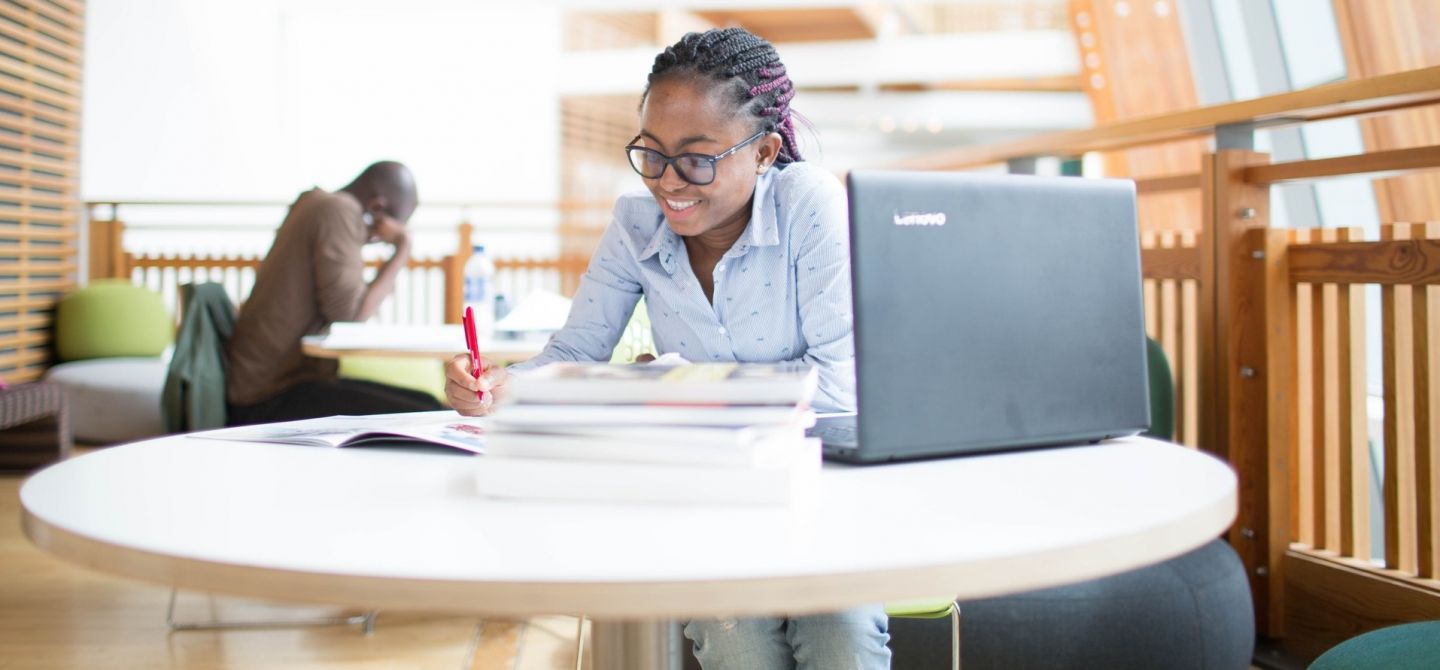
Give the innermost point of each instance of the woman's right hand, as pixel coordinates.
(461, 386)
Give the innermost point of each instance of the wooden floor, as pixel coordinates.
(54, 615)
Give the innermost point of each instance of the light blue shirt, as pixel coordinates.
(782, 292)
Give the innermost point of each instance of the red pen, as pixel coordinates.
(472, 342)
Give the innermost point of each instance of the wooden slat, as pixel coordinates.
(1169, 309)
(67, 205)
(1325, 448)
(69, 88)
(67, 33)
(1399, 474)
(1189, 379)
(59, 126)
(32, 233)
(48, 39)
(41, 49)
(26, 303)
(1426, 343)
(65, 101)
(1179, 182)
(74, 7)
(1386, 262)
(64, 51)
(1170, 263)
(1328, 382)
(69, 168)
(45, 285)
(65, 185)
(1276, 419)
(56, 150)
(1307, 415)
(36, 321)
(172, 262)
(60, 20)
(37, 216)
(1376, 164)
(37, 268)
(25, 358)
(26, 51)
(1348, 98)
(1354, 474)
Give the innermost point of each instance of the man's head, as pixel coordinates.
(386, 191)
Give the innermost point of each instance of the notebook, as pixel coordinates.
(992, 312)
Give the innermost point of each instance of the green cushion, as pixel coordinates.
(1411, 646)
(422, 374)
(111, 318)
(920, 608)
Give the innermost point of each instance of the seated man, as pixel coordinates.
(311, 278)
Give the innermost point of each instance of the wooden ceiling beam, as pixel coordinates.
(811, 24)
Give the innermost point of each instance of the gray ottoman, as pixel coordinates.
(112, 399)
(1192, 612)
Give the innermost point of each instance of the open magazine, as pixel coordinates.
(444, 428)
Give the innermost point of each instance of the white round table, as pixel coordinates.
(405, 529)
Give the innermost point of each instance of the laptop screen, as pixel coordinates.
(994, 311)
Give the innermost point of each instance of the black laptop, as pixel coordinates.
(992, 312)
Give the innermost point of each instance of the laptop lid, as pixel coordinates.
(993, 312)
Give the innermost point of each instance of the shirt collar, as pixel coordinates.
(762, 231)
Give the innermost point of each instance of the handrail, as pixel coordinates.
(1358, 97)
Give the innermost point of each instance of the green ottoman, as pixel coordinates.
(1411, 646)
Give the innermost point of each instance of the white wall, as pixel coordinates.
(208, 99)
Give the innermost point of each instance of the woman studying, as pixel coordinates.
(740, 250)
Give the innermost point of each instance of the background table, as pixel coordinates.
(440, 341)
(395, 529)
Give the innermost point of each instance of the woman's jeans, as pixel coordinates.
(852, 639)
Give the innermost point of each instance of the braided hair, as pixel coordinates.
(749, 66)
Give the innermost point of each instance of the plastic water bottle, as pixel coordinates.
(480, 291)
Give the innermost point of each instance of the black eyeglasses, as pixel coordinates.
(698, 169)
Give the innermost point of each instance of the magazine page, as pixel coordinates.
(443, 427)
(448, 429)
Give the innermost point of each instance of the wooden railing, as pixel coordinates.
(429, 290)
(1266, 329)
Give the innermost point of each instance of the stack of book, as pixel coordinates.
(731, 433)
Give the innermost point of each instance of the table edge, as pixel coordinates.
(648, 599)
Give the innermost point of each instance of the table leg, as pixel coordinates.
(636, 645)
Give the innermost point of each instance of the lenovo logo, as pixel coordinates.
(919, 218)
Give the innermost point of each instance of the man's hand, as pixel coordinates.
(388, 229)
(461, 386)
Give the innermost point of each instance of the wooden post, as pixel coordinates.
(107, 249)
(455, 275)
(1247, 380)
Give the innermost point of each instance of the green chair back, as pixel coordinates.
(921, 608)
(1162, 392)
(111, 318)
(421, 374)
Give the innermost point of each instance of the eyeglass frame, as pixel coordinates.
(670, 161)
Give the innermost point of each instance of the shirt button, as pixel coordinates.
(720, 267)
(722, 330)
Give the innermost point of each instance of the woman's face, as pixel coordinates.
(681, 115)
